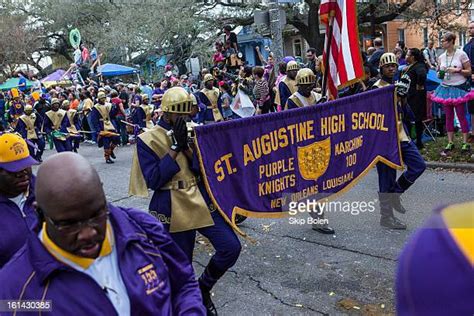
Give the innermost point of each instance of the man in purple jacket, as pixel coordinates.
(92, 258)
(435, 274)
(17, 214)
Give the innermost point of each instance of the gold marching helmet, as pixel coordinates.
(101, 95)
(145, 97)
(208, 77)
(28, 109)
(387, 59)
(54, 101)
(305, 76)
(176, 100)
(292, 65)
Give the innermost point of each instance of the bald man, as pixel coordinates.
(91, 256)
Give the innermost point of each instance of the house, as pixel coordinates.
(417, 33)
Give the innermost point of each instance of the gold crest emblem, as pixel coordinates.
(313, 160)
(18, 148)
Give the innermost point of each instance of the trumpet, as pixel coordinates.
(190, 127)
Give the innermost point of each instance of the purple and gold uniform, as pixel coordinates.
(142, 116)
(74, 125)
(158, 278)
(436, 269)
(287, 86)
(29, 127)
(210, 98)
(56, 124)
(180, 200)
(108, 138)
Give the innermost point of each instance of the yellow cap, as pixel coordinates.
(176, 100)
(101, 95)
(14, 153)
(28, 108)
(36, 95)
(54, 101)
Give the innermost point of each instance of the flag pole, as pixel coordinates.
(329, 36)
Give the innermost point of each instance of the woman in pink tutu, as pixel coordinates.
(454, 68)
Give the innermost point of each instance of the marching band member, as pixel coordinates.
(101, 120)
(165, 163)
(144, 113)
(29, 127)
(74, 125)
(390, 189)
(287, 86)
(16, 108)
(91, 257)
(16, 195)
(305, 96)
(209, 96)
(56, 124)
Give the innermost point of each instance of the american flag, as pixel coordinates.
(345, 61)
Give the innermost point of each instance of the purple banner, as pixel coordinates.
(258, 165)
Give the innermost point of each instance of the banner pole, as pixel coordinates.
(329, 30)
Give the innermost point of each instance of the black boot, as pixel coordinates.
(397, 203)
(321, 228)
(392, 222)
(109, 161)
(386, 210)
(207, 301)
(112, 155)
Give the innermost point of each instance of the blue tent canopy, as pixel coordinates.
(109, 70)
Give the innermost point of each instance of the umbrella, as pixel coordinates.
(432, 80)
(13, 83)
(109, 70)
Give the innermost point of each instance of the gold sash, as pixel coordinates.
(104, 111)
(30, 121)
(70, 115)
(291, 84)
(188, 207)
(212, 95)
(313, 98)
(56, 118)
(148, 115)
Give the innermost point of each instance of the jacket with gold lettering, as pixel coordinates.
(180, 199)
(29, 126)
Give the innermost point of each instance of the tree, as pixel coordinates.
(305, 16)
(18, 43)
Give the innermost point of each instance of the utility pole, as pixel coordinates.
(276, 29)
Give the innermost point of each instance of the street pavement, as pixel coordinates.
(289, 269)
